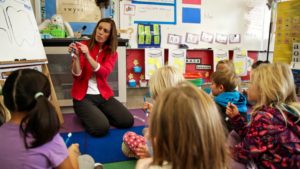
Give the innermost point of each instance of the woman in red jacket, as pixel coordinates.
(93, 100)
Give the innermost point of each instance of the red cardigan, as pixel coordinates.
(107, 62)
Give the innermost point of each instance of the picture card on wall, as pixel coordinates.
(191, 15)
(235, 38)
(221, 38)
(177, 58)
(207, 37)
(195, 2)
(129, 9)
(174, 39)
(192, 38)
(154, 59)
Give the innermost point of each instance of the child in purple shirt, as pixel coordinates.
(30, 139)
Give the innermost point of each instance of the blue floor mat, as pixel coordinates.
(105, 149)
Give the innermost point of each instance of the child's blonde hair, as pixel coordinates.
(186, 130)
(276, 87)
(163, 78)
(226, 65)
(227, 78)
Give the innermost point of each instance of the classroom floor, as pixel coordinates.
(106, 149)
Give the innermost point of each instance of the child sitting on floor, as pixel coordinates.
(223, 87)
(272, 138)
(135, 145)
(186, 131)
(30, 138)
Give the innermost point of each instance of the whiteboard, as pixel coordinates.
(20, 37)
(248, 19)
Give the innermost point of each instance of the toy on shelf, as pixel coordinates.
(196, 78)
(131, 81)
(55, 28)
(136, 68)
(143, 82)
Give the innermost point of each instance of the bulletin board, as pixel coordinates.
(225, 24)
(287, 30)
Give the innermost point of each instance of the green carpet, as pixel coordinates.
(121, 165)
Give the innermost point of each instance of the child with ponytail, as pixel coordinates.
(30, 138)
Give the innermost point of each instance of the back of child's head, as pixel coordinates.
(186, 129)
(275, 84)
(223, 65)
(227, 78)
(163, 78)
(27, 91)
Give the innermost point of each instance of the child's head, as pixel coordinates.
(163, 78)
(186, 129)
(26, 91)
(272, 84)
(225, 65)
(259, 62)
(223, 81)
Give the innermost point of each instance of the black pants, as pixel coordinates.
(97, 114)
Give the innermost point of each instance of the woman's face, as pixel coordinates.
(103, 32)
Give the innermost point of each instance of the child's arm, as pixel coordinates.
(71, 162)
(236, 120)
(260, 137)
(142, 152)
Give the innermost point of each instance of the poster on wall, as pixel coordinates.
(154, 59)
(149, 35)
(296, 55)
(154, 1)
(220, 54)
(78, 11)
(155, 11)
(177, 58)
(240, 61)
(287, 30)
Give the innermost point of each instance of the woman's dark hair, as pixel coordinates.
(20, 95)
(259, 62)
(111, 42)
(102, 3)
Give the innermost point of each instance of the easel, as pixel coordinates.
(9, 65)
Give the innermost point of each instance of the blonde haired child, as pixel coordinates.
(186, 131)
(225, 65)
(164, 77)
(223, 87)
(272, 138)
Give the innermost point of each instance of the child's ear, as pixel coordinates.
(221, 88)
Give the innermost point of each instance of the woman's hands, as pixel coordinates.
(83, 48)
(73, 50)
